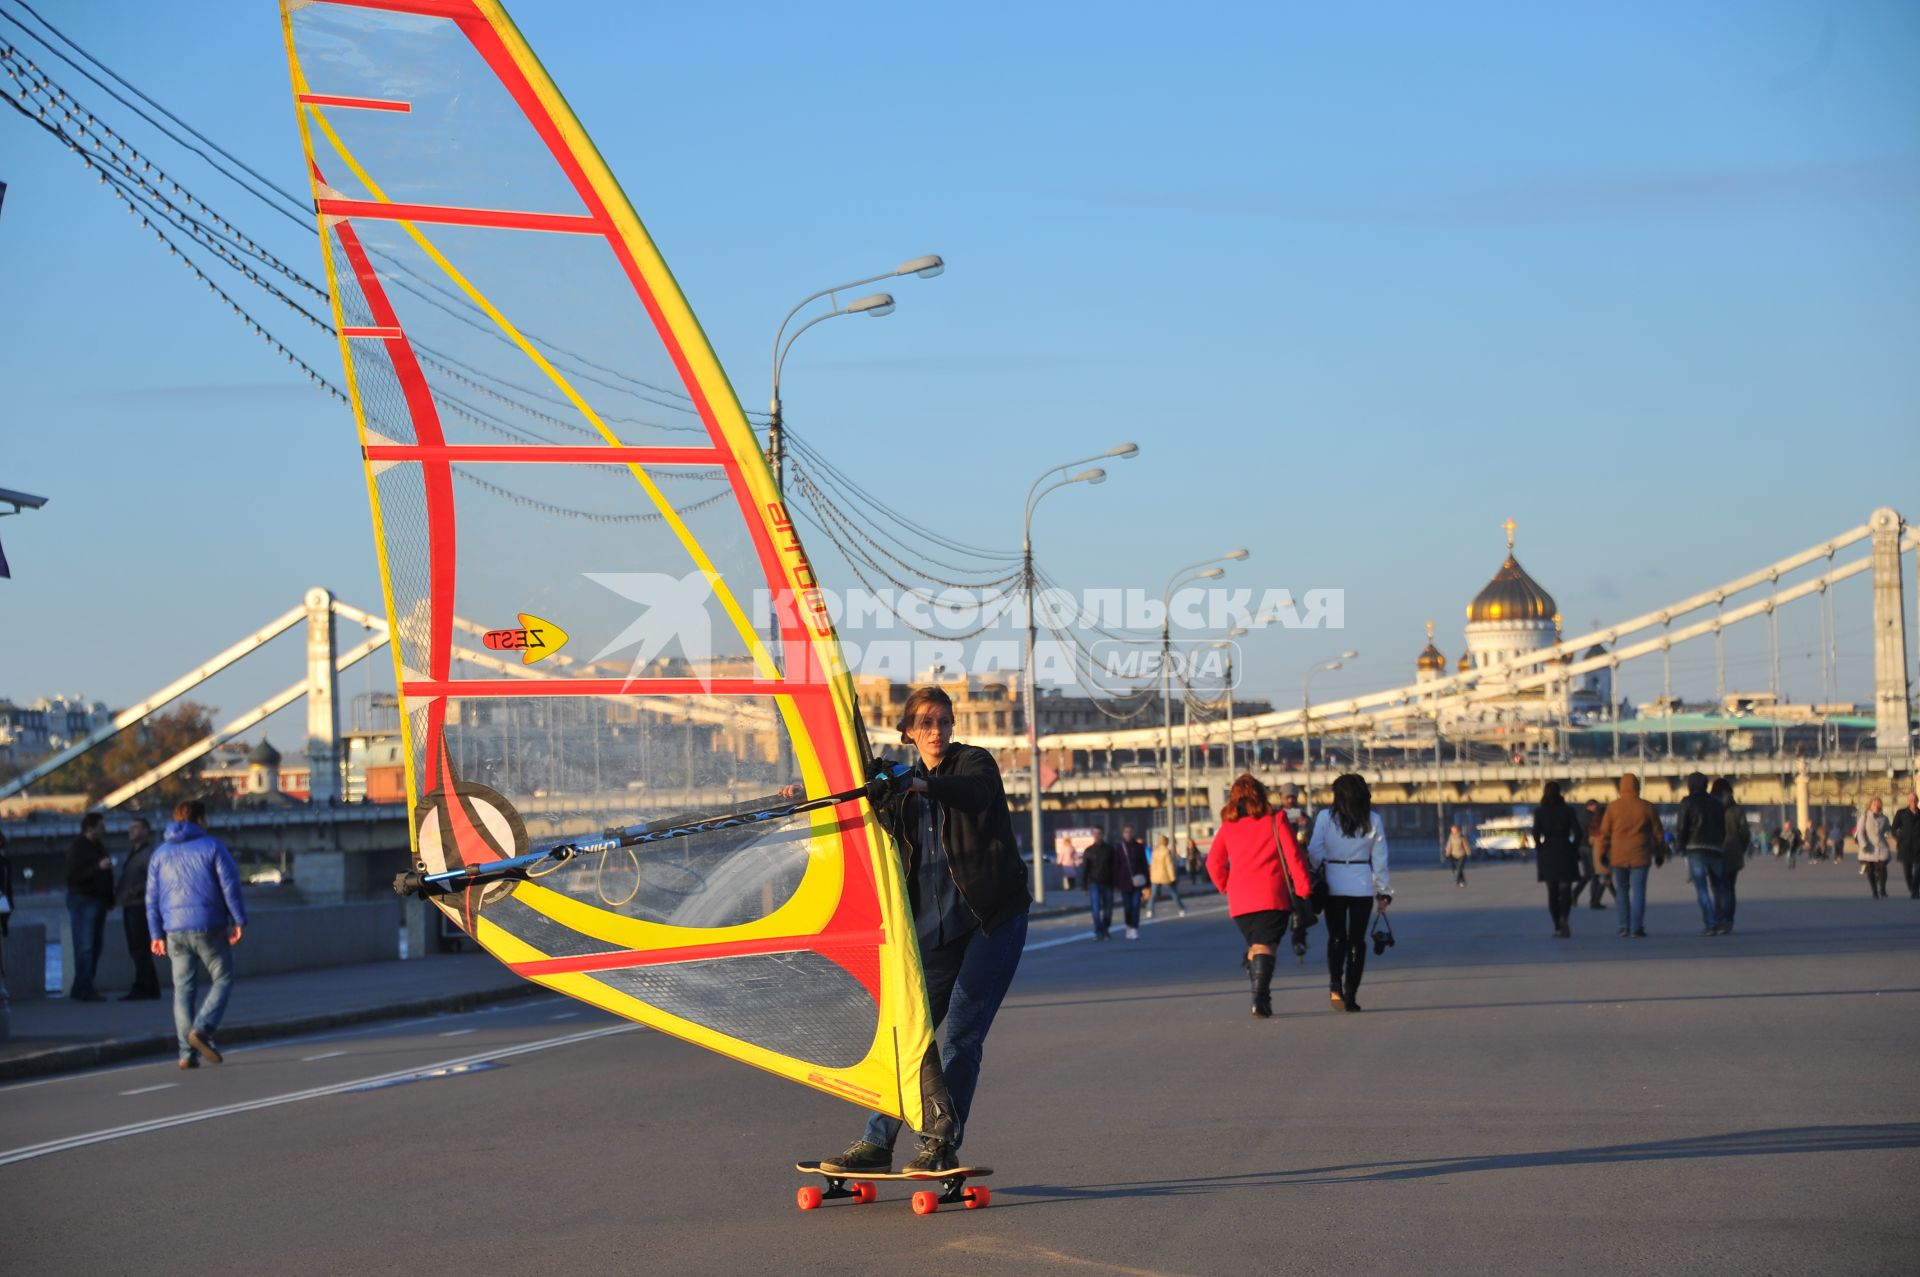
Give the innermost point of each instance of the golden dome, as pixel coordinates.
(1466, 663)
(1512, 595)
(1431, 658)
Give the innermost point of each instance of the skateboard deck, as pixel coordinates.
(952, 1187)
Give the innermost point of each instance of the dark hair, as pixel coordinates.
(921, 696)
(1247, 799)
(191, 809)
(91, 820)
(1352, 804)
(1722, 788)
(1550, 796)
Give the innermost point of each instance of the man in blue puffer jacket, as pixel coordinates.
(194, 911)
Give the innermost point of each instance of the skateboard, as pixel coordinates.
(952, 1187)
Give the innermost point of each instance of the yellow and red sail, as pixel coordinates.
(547, 434)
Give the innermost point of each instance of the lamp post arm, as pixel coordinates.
(778, 353)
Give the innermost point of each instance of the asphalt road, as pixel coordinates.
(1507, 1102)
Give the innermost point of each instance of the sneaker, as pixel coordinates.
(203, 1043)
(1183, 912)
(860, 1158)
(1624, 933)
(1354, 1006)
(189, 1062)
(1640, 935)
(1133, 933)
(935, 1155)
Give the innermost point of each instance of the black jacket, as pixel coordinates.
(1096, 864)
(1703, 821)
(1556, 843)
(85, 877)
(131, 893)
(1906, 835)
(980, 848)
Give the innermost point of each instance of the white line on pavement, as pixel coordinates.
(324, 1055)
(456, 1033)
(144, 1089)
(31, 1151)
(565, 1015)
(1078, 936)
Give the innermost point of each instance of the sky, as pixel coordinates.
(1363, 282)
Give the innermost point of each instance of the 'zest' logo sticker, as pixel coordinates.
(535, 640)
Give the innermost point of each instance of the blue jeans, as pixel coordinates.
(1710, 886)
(966, 981)
(1630, 894)
(1130, 904)
(1100, 900)
(89, 919)
(210, 948)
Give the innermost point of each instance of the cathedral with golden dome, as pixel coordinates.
(1511, 616)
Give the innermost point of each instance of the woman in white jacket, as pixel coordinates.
(1350, 846)
(1876, 847)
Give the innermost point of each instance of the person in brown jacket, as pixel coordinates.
(1626, 842)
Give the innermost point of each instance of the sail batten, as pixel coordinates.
(461, 210)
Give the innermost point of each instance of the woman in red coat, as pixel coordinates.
(1257, 865)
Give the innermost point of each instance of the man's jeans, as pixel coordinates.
(966, 981)
(1710, 885)
(1130, 904)
(1630, 893)
(1100, 900)
(88, 917)
(210, 948)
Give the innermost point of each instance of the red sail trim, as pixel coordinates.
(354, 104)
(556, 455)
(383, 334)
(436, 481)
(560, 686)
(698, 952)
(444, 215)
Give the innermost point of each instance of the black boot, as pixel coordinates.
(1262, 985)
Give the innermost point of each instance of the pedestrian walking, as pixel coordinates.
(1457, 852)
(1130, 878)
(130, 897)
(1097, 866)
(1626, 844)
(1193, 862)
(1293, 813)
(1556, 846)
(1817, 843)
(1733, 852)
(89, 896)
(1598, 883)
(1906, 842)
(1787, 841)
(1702, 837)
(1163, 872)
(1350, 846)
(1256, 863)
(968, 889)
(1876, 847)
(195, 915)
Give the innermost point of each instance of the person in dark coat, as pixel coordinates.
(1556, 849)
(1701, 834)
(130, 897)
(89, 896)
(1733, 855)
(1597, 884)
(1097, 866)
(1130, 878)
(1906, 842)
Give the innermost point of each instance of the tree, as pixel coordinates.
(139, 749)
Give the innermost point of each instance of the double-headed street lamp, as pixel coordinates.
(1201, 571)
(1306, 713)
(1035, 494)
(877, 304)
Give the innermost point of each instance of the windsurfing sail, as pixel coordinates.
(557, 464)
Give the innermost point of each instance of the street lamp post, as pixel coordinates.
(878, 304)
(1226, 645)
(1035, 494)
(1201, 571)
(1306, 714)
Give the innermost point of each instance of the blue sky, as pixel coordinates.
(1362, 281)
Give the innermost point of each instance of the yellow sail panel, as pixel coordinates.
(552, 449)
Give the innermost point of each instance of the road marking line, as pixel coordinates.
(144, 1089)
(456, 1033)
(1088, 935)
(565, 1015)
(324, 1055)
(31, 1151)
